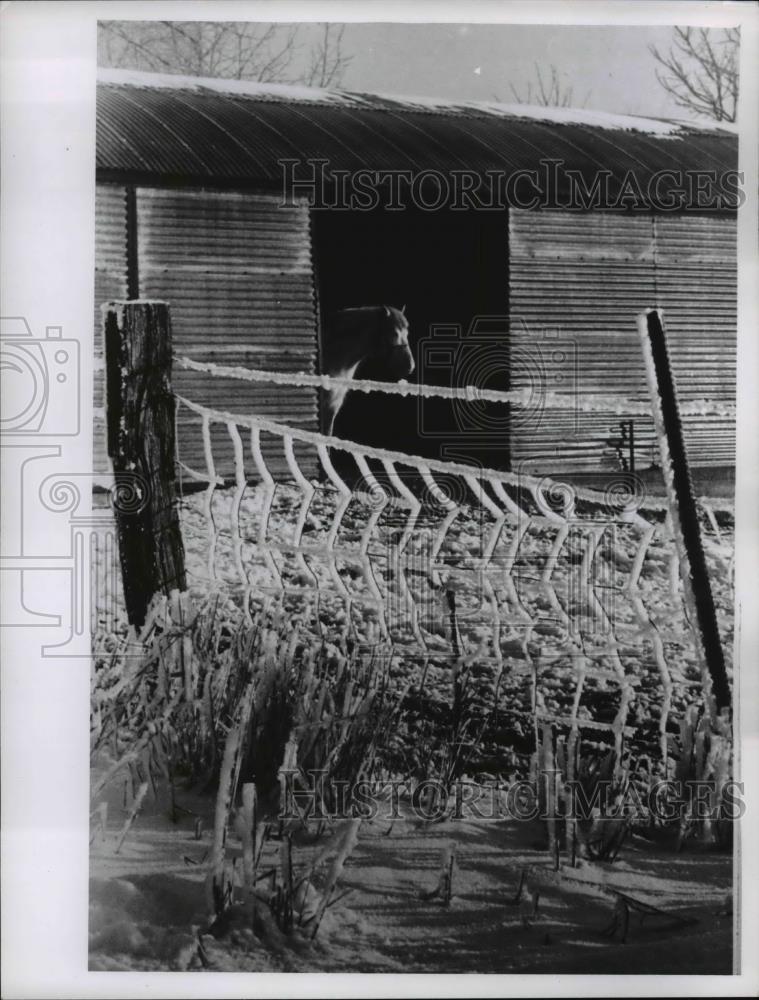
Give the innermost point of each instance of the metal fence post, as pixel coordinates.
(682, 504)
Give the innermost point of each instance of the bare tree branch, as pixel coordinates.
(274, 69)
(243, 50)
(700, 71)
(328, 64)
(547, 90)
(123, 45)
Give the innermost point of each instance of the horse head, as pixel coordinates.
(392, 343)
(366, 334)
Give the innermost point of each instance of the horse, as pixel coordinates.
(366, 333)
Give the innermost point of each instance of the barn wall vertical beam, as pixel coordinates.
(110, 286)
(133, 266)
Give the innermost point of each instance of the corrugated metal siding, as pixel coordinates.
(696, 286)
(577, 282)
(110, 283)
(236, 271)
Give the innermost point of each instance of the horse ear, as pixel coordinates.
(403, 309)
(387, 310)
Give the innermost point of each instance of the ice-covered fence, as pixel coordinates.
(465, 393)
(560, 604)
(565, 603)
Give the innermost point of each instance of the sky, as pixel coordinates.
(608, 68)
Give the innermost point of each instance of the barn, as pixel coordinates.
(521, 241)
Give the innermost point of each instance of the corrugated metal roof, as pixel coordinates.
(232, 132)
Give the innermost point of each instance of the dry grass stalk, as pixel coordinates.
(705, 756)
(344, 848)
(549, 775)
(248, 834)
(133, 812)
(444, 887)
(218, 883)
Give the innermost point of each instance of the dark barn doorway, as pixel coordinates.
(447, 267)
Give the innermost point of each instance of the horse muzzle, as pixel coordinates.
(401, 362)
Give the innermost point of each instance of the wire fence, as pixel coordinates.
(598, 403)
(564, 605)
(546, 603)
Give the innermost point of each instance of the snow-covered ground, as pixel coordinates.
(148, 907)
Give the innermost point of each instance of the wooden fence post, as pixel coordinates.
(140, 422)
(682, 504)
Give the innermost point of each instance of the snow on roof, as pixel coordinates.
(245, 88)
(315, 95)
(583, 116)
